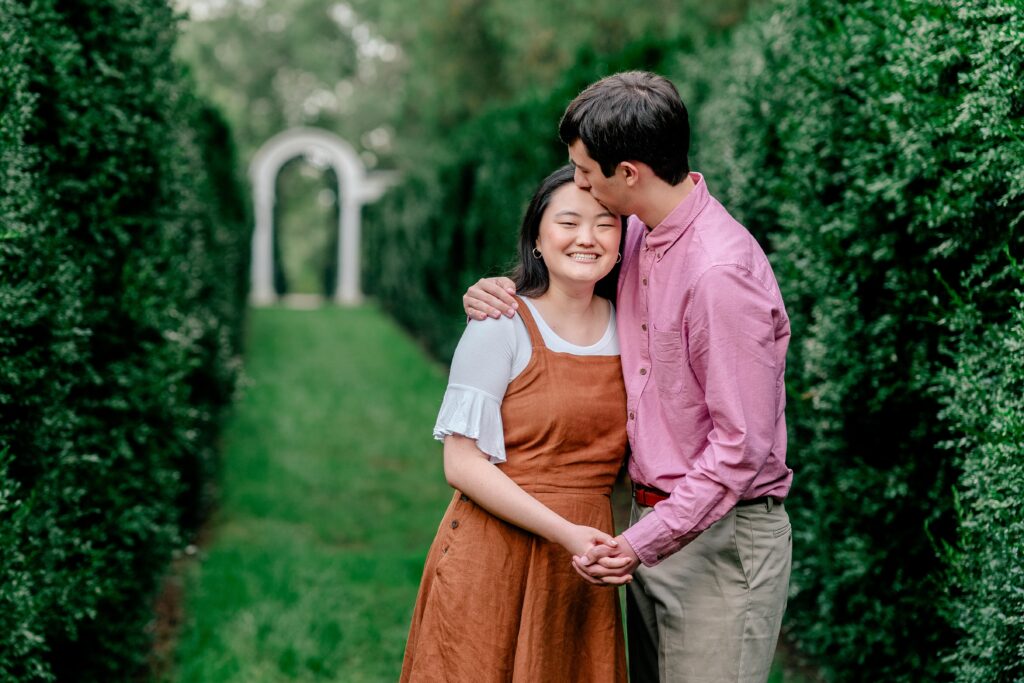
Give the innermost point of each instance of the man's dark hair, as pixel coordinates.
(531, 274)
(631, 116)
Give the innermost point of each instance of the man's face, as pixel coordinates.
(589, 177)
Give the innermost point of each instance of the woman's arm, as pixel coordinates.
(466, 468)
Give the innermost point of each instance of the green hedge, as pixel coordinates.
(123, 255)
(874, 148)
(983, 395)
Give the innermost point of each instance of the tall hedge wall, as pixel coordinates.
(874, 147)
(983, 399)
(122, 254)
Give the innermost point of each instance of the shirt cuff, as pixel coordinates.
(475, 414)
(652, 541)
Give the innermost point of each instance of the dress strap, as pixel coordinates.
(536, 338)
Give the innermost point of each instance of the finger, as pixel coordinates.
(604, 573)
(477, 308)
(496, 284)
(604, 580)
(485, 300)
(585, 576)
(596, 552)
(617, 562)
(603, 538)
(500, 289)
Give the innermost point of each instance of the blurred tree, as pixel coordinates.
(394, 78)
(276, 65)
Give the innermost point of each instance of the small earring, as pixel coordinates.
(618, 258)
(536, 253)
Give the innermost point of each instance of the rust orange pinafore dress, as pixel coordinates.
(498, 604)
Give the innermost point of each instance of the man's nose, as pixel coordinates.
(580, 181)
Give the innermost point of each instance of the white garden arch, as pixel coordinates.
(355, 188)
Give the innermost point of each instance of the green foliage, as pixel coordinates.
(983, 398)
(873, 145)
(270, 66)
(392, 78)
(123, 262)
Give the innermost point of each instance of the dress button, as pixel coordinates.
(463, 497)
(643, 371)
(455, 524)
(644, 327)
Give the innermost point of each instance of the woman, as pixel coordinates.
(533, 423)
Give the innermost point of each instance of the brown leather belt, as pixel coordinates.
(648, 496)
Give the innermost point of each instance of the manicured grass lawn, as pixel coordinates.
(332, 492)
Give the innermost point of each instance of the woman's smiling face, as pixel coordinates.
(578, 238)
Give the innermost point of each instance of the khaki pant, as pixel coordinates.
(711, 613)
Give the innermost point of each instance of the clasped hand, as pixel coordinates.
(600, 559)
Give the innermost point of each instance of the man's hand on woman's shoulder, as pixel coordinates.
(490, 297)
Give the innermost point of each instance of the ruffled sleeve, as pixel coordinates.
(473, 413)
(486, 359)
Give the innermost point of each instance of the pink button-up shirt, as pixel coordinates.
(703, 333)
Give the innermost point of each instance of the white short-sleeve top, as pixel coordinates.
(490, 354)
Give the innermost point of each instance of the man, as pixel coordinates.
(703, 333)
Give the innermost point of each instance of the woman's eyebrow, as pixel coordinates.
(570, 212)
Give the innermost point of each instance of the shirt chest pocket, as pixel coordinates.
(668, 358)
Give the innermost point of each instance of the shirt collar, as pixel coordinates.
(672, 227)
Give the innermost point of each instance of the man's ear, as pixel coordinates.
(630, 172)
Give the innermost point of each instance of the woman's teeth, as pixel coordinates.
(583, 257)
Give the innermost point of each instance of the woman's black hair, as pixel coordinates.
(531, 274)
